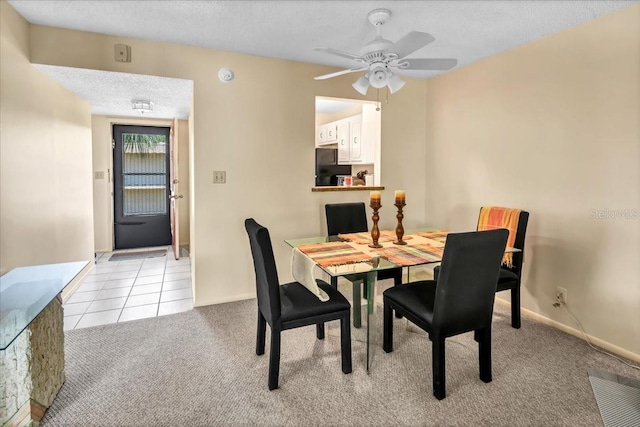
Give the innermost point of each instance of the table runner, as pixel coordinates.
(439, 236)
(364, 237)
(333, 253)
(411, 254)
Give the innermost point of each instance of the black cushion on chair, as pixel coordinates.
(292, 305)
(507, 279)
(298, 302)
(419, 298)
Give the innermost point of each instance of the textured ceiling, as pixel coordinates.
(466, 30)
(110, 94)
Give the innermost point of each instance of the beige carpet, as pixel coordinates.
(199, 368)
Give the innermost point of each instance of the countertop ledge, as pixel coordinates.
(354, 188)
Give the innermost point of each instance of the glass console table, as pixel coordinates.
(32, 339)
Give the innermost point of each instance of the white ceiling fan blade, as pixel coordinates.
(339, 53)
(410, 43)
(427, 64)
(339, 73)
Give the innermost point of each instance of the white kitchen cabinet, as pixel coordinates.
(344, 149)
(332, 132)
(327, 134)
(322, 134)
(359, 146)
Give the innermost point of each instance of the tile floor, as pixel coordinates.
(119, 291)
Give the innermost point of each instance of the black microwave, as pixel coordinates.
(327, 167)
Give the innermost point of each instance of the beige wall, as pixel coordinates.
(552, 127)
(260, 129)
(45, 160)
(102, 188)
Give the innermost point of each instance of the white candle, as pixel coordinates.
(400, 197)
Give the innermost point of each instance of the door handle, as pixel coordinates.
(176, 197)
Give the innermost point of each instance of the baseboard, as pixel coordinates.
(234, 298)
(577, 333)
(76, 282)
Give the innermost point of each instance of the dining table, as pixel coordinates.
(352, 255)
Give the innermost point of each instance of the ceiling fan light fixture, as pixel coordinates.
(361, 85)
(378, 77)
(395, 83)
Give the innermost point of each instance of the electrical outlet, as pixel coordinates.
(561, 295)
(219, 177)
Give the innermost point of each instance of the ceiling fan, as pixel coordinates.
(380, 56)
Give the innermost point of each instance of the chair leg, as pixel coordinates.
(274, 360)
(515, 307)
(357, 306)
(438, 356)
(260, 336)
(484, 352)
(345, 343)
(387, 328)
(334, 282)
(320, 331)
(397, 281)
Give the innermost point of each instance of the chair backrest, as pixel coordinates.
(467, 282)
(267, 284)
(346, 218)
(521, 233)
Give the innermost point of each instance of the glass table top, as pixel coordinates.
(26, 291)
(376, 264)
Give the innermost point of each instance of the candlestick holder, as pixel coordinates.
(375, 231)
(399, 227)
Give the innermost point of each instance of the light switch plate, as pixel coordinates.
(219, 177)
(99, 175)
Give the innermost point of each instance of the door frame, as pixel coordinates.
(141, 229)
(125, 122)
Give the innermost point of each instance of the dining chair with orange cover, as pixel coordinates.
(510, 278)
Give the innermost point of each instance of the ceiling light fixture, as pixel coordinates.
(379, 76)
(142, 107)
(395, 83)
(362, 84)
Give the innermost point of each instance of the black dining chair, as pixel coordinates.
(291, 305)
(460, 301)
(510, 278)
(345, 218)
